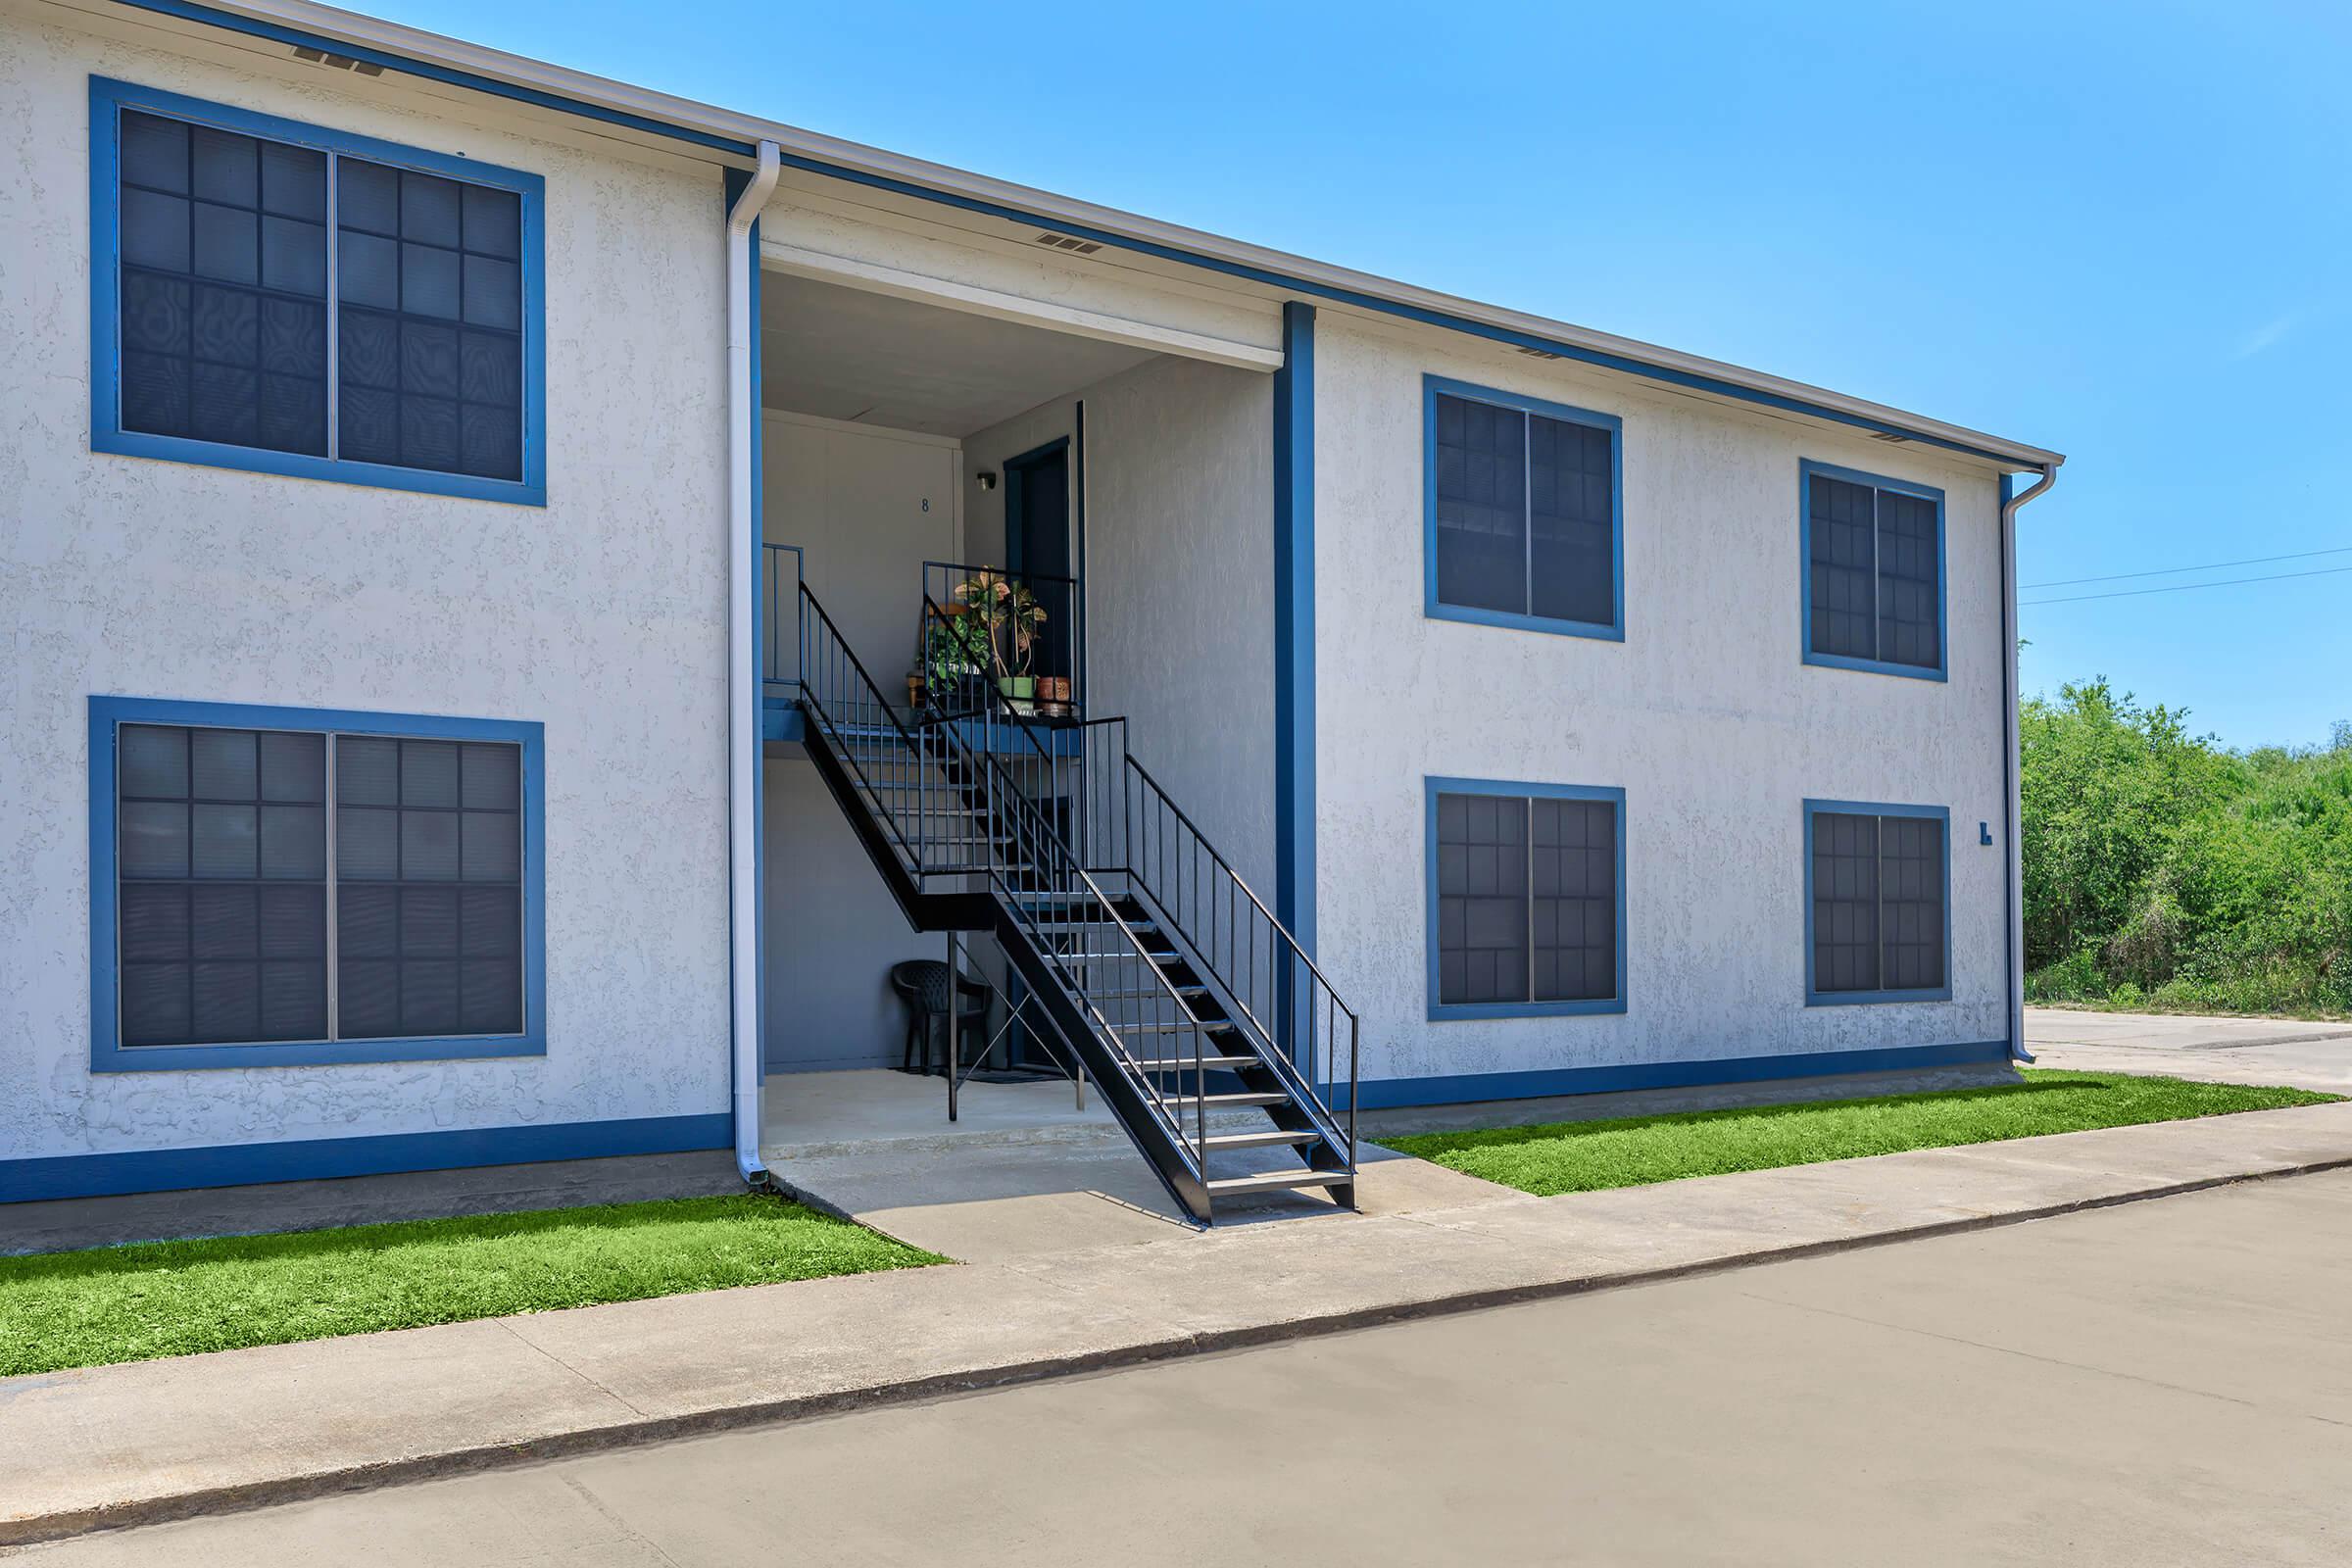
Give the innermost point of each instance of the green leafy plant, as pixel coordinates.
(955, 646)
(1010, 616)
(2163, 869)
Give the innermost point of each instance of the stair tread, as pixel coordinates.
(1274, 1139)
(1276, 1181)
(1182, 1064)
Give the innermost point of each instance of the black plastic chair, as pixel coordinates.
(922, 985)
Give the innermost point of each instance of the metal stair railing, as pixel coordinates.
(1038, 869)
(1126, 824)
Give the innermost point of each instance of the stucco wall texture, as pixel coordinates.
(602, 616)
(1179, 580)
(1704, 714)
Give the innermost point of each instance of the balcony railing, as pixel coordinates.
(781, 617)
(1022, 633)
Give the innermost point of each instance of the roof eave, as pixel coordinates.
(730, 137)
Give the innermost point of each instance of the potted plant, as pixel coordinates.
(957, 654)
(1011, 617)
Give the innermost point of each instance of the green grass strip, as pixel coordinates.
(153, 1298)
(1583, 1156)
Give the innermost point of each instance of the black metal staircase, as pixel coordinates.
(1184, 1001)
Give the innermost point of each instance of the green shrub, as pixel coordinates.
(2162, 867)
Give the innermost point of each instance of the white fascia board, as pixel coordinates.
(873, 278)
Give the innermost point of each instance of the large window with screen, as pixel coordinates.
(1877, 888)
(1873, 573)
(1527, 898)
(1523, 508)
(277, 884)
(280, 297)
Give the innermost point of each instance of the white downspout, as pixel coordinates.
(743, 683)
(2011, 766)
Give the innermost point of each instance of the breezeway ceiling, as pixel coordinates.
(847, 354)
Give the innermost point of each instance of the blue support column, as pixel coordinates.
(1294, 625)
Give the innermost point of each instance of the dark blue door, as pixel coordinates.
(1037, 546)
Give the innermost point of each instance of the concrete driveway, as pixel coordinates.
(2164, 1383)
(2235, 1051)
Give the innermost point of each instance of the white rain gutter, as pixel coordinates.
(743, 680)
(2010, 762)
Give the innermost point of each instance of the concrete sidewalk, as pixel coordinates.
(2229, 1051)
(159, 1440)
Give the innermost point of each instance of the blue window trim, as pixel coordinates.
(108, 98)
(1806, 468)
(1843, 999)
(1434, 786)
(1437, 608)
(107, 1055)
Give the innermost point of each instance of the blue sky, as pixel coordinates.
(2128, 242)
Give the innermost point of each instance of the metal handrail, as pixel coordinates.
(1247, 891)
(808, 694)
(772, 567)
(1238, 989)
(1026, 810)
(1286, 984)
(1014, 808)
(1070, 591)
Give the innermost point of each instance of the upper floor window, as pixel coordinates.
(1524, 513)
(286, 299)
(1873, 573)
(1526, 898)
(280, 886)
(1876, 902)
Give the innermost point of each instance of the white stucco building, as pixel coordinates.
(458, 708)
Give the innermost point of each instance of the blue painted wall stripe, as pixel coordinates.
(1259, 274)
(1295, 625)
(1465, 1087)
(163, 1170)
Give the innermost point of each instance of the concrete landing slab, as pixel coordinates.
(110, 1446)
(1023, 1170)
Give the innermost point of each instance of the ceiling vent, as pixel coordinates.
(320, 57)
(1542, 354)
(1066, 242)
(1891, 437)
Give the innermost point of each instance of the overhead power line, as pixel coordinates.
(2175, 571)
(2185, 587)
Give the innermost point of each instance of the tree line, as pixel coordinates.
(2163, 868)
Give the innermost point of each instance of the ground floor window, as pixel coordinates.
(1526, 898)
(1877, 883)
(287, 885)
